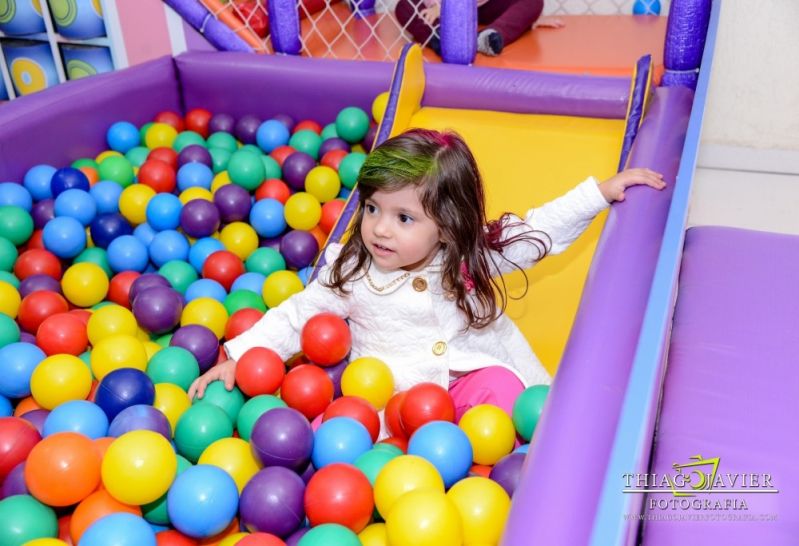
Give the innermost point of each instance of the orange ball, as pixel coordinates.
(95, 506)
(173, 538)
(63, 469)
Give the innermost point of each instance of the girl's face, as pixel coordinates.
(397, 232)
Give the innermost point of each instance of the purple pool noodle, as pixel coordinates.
(283, 437)
(246, 128)
(335, 373)
(36, 418)
(508, 471)
(218, 34)
(334, 143)
(42, 212)
(295, 537)
(198, 340)
(158, 309)
(284, 26)
(458, 31)
(14, 483)
(195, 153)
(363, 8)
(299, 248)
(38, 282)
(140, 417)
(272, 501)
(233, 203)
(143, 282)
(286, 120)
(296, 168)
(221, 123)
(685, 41)
(199, 218)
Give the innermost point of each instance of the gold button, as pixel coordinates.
(419, 284)
(439, 348)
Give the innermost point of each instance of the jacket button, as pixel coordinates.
(439, 348)
(419, 284)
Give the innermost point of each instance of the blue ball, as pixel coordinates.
(168, 245)
(64, 236)
(37, 181)
(120, 529)
(205, 288)
(252, 281)
(524, 448)
(79, 416)
(5, 407)
(201, 249)
(15, 195)
(76, 203)
(194, 175)
(122, 136)
(272, 134)
(107, 227)
(145, 233)
(127, 253)
(202, 501)
(68, 178)
(339, 440)
(267, 218)
(122, 388)
(304, 274)
(446, 446)
(18, 360)
(163, 211)
(106, 195)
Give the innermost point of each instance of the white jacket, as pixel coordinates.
(412, 326)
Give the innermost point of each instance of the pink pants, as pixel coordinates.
(493, 385)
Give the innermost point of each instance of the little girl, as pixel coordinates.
(418, 277)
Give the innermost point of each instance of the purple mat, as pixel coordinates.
(732, 390)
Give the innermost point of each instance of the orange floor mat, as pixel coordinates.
(587, 44)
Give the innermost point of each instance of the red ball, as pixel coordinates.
(358, 409)
(119, 287)
(36, 240)
(326, 339)
(64, 534)
(37, 261)
(170, 118)
(307, 389)
(273, 188)
(401, 443)
(173, 538)
(62, 333)
(167, 155)
(260, 371)
(392, 415)
(308, 125)
(158, 175)
(330, 213)
(241, 321)
(339, 493)
(83, 315)
(423, 403)
(280, 153)
(224, 267)
(17, 438)
(260, 539)
(39, 305)
(197, 120)
(333, 158)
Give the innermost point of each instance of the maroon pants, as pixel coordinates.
(511, 18)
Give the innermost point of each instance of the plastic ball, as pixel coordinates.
(446, 446)
(490, 431)
(138, 467)
(205, 288)
(173, 365)
(42, 212)
(108, 227)
(401, 475)
(10, 300)
(279, 286)
(350, 168)
(306, 141)
(122, 136)
(340, 440)
(352, 124)
(234, 456)
(198, 120)
(76, 204)
(140, 417)
(63, 469)
(330, 214)
(37, 261)
(339, 493)
(233, 203)
(527, 410)
(37, 306)
(119, 529)
(79, 416)
(308, 389)
(84, 284)
(158, 309)
(221, 122)
(97, 505)
(206, 312)
(19, 361)
(372, 462)
(168, 245)
(243, 299)
(63, 236)
(17, 438)
(246, 170)
(160, 134)
(200, 341)
(62, 333)
(187, 139)
(230, 401)
(200, 426)
(240, 239)
(333, 158)
(267, 217)
(424, 518)
(123, 388)
(199, 218)
(302, 211)
(259, 371)
(379, 106)
(163, 211)
(194, 175)
(23, 519)
(507, 472)
(246, 128)
(423, 403)
(58, 379)
(133, 202)
(299, 248)
(37, 181)
(357, 409)
(67, 178)
(483, 506)
(158, 175)
(252, 410)
(282, 437)
(200, 251)
(272, 502)
(172, 401)
(127, 253)
(323, 183)
(117, 169)
(325, 339)
(15, 195)
(179, 274)
(296, 168)
(369, 378)
(271, 134)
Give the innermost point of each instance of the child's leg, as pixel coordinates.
(407, 13)
(510, 18)
(493, 385)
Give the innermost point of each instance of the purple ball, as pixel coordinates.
(272, 501)
(157, 309)
(283, 437)
(246, 129)
(26, 337)
(38, 282)
(42, 212)
(334, 143)
(140, 417)
(14, 483)
(195, 154)
(200, 341)
(221, 123)
(143, 282)
(199, 218)
(369, 139)
(308, 473)
(286, 120)
(295, 537)
(233, 203)
(299, 248)
(334, 373)
(507, 471)
(296, 167)
(36, 418)
(270, 242)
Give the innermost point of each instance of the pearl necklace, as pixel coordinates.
(389, 285)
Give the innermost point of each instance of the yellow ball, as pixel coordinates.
(221, 179)
(490, 431)
(207, 312)
(195, 192)
(117, 351)
(323, 183)
(302, 211)
(424, 518)
(401, 475)
(374, 535)
(142, 335)
(84, 284)
(9, 299)
(239, 238)
(279, 286)
(379, 106)
(359, 149)
(133, 202)
(110, 320)
(234, 456)
(139, 467)
(483, 505)
(232, 540)
(160, 134)
(106, 154)
(369, 378)
(151, 348)
(58, 379)
(172, 401)
(46, 542)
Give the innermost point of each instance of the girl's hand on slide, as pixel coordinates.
(224, 371)
(431, 14)
(549, 22)
(613, 188)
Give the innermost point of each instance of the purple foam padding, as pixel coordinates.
(558, 494)
(642, 76)
(731, 384)
(685, 41)
(217, 33)
(284, 26)
(61, 124)
(458, 31)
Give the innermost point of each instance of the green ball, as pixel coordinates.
(180, 274)
(388, 447)
(187, 138)
(144, 128)
(329, 533)
(138, 155)
(373, 461)
(244, 299)
(10, 278)
(265, 261)
(252, 148)
(252, 410)
(98, 256)
(200, 426)
(23, 518)
(173, 365)
(156, 512)
(223, 140)
(9, 331)
(273, 169)
(527, 409)
(101, 304)
(118, 169)
(164, 340)
(306, 141)
(16, 224)
(84, 162)
(350, 168)
(219, 159)
(246, 169)
(352, 124)
(230, 401)
(86, 358)
(329, 131)
(8, 254)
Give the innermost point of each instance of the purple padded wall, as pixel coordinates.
(61, 124)
(731, 384)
